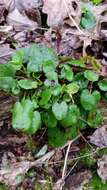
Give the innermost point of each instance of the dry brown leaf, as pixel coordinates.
(68, 42)
(99, 137)
(10, 172)
(58, 10)
(19, 21)
(78, 180)
(6, 29)
(21, 4)
(17, 13)
(102, 167)
(5, 53)
(2, 10)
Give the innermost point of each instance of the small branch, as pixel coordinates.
(65, 162)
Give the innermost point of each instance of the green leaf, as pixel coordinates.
(7, 83)
(91, 76)
(52, 76)
(72, 117)
(49, 119)
(25, 122)
(39, 55)
(88, 101)
(60, 110)
(96, 95)
(18, 58)
(81, 81)
(77, 62)
(103, 85)
(49, 70)
(72, 132)
(17, 116)
(56, 90)
(67, 73)
(88, 20)
(66, 98)
(56, 137)
(27, 84)
(72, 88)
(45, 97)
(35, 104)
(6, 70)
(15, 88)
(95, 119)
(36, 122)
(82, 123)
(48, 66)
(24, 117)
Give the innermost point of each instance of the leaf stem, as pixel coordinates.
(72, 98)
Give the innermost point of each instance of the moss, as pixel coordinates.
(42, 186)
(3, 187)
(96, 184)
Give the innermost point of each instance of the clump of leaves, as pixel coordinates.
(51, 94)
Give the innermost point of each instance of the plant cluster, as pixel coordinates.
(51, 93)
(89, 18)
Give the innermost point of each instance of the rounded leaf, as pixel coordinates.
(95, 119)
(72, 88)
(7, 83)
(103, 85)
(88, 101)
(91, 76)
(17, 116)
(38, 55)
(96, 95)
(36, 123)
(60, 110)
(72, 117)
(56, 90)
(27, 84)
(67, 73)
(6, 70)
(81, 80)
(45, 97)
(22, 115)
(49, 119)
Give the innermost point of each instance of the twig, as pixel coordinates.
(79, 157)
(41, 28)
(65, 162)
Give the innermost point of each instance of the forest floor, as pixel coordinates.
(72, 28)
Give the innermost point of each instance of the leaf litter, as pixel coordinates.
(20, 25)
